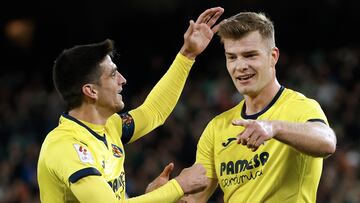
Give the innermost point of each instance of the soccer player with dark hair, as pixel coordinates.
(82, 159)
(270, 147)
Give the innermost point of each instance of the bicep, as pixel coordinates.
(325, 130)
(203, 196)
(93, 189)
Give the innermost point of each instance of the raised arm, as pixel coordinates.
(164, 96)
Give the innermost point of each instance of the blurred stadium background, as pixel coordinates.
(319, 46)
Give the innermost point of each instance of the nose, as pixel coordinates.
(241, 66)
(121, 79)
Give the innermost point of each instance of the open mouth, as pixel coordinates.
(245, 77)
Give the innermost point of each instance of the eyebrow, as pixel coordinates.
(243, 53)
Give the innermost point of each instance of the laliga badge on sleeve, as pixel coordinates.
(84, 154)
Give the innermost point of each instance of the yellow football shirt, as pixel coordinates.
(87, 149)
(76, 149)
(274, 173)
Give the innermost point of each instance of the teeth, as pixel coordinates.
(245, 77)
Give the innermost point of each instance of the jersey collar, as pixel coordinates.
(99, 137)
(255, 116)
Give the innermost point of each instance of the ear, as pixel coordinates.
(89, 90)
(274, 56)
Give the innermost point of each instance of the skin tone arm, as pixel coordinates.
(203, 196)
(312, 138)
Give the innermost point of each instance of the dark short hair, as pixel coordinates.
(243, 23)
(77, 66)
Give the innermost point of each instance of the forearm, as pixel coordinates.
(93, 189)
(170, 192)
(312, 138)
(162, 98)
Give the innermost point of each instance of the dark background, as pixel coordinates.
(319, 56)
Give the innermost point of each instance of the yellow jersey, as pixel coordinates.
(76, 149)
(274, 173)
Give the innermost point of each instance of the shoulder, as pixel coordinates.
(57, 141)
(296, 106)
(299, 100)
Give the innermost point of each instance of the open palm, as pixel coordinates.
(199, 33)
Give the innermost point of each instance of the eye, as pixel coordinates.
(252, 55)
(230, 57)
(113, 74)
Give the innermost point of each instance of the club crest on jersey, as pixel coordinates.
(84, 154)
(117, 152)
(127, 120)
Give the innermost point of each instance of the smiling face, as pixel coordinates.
(250, 62)
(109, 87)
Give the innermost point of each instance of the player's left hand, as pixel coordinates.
(162, 179)
(255, 134)
(199, 33)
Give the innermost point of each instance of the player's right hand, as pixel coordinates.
(192, 179)
(199, 33)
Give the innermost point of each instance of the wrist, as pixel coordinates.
(276, 128)
(187, 53)
(181, 183)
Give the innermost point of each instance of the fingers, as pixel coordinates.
(255, 133)
(245, 136)
(167, 170)
(241, 122)
(215, 29)
(190, 29)
(208, 13)
(212, 20)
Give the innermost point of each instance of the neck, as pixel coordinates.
(256, 103)
(90, 114)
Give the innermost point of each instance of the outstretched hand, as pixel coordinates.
(199, 33)
(162, 179)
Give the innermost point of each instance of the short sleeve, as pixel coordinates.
(311, 111)
(71, 161)
(205, 151)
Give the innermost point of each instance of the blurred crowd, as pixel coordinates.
(30, 108)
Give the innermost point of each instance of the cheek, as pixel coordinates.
(266, 74)
(230, 67)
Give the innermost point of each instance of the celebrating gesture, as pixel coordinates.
(199, 33)
(92, 133)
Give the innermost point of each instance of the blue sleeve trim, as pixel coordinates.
(128, 126)
(317, 120)
(83, 173)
